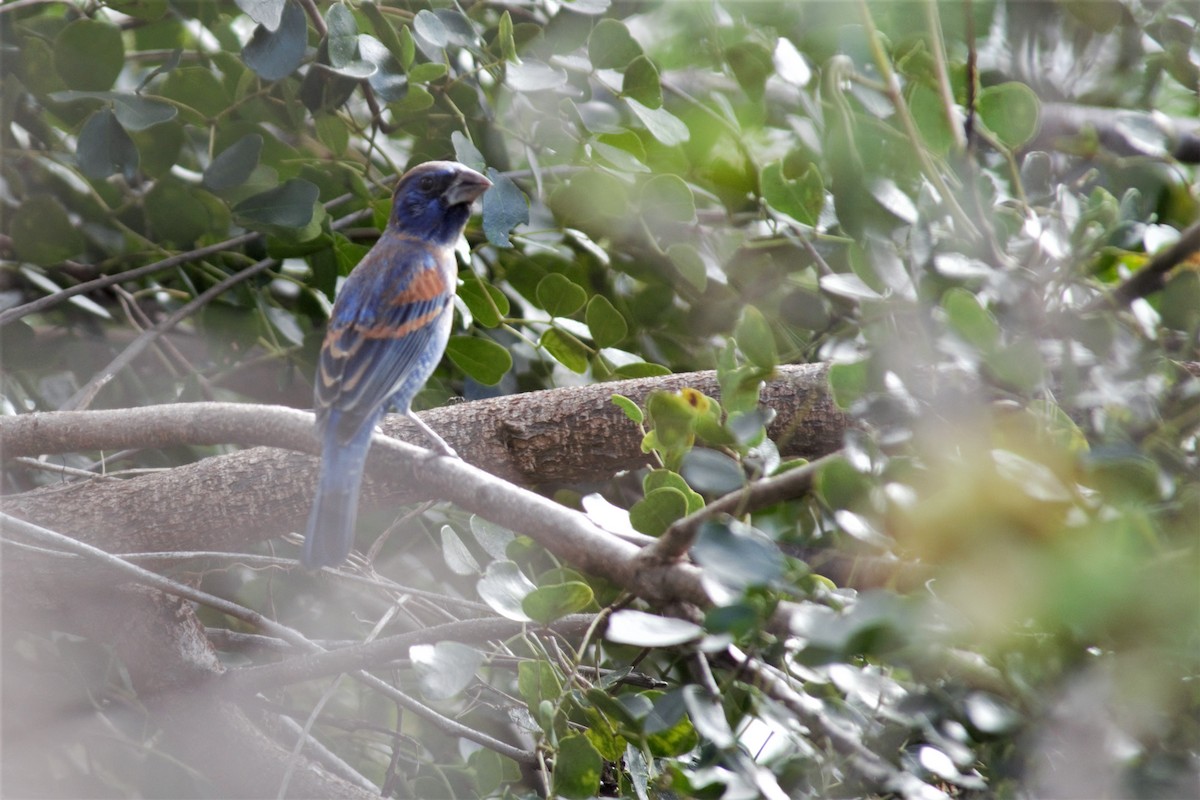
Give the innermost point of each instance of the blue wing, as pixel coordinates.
(388, 330)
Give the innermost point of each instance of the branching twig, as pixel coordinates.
(1152, 277)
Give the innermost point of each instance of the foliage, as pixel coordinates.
(680, 186)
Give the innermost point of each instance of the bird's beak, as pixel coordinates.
(468, 185)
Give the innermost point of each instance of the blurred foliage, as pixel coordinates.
(679, 186)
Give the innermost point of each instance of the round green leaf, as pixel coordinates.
(233, 165)
(688, 261)
(289, 205)
(736, 557)
(341, 41)
(275, 54)
(751, 64)
(577, 768)
(640, 629)
(533, 76)
(482, 359)
(666, 198)
(801, 198)
(178, 213)
(655, 512)
(566, 349)
(105, 148)
(611, 45)
(430, 28)
(136, 113)
(849, 382)
(89, 54)
(42, 232)
(264, 12)
(642, 82)
(712, 472)
(504, 208)
(755, 339)
(1011, 111)
(662, 124)
(630, 408)
(503, 587)
(548, 603)
(456, 554)
(605, 322)
(558, 296)
(487, 304)
(970, 320)
(199, 89)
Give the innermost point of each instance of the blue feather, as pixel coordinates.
(388, 330)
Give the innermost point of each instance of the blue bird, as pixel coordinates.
(388, 330)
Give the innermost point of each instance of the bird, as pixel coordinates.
(387, 332)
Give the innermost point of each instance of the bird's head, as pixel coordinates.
(433, 200)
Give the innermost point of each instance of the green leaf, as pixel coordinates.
(456, 554)
(630, 408)
(89, 54)
(1010, 111)
(801, 198)
(605, 323)
(558, 296)
(611, 45)
(482, 359)
(537, 682)
(430, 28)
(577, 769)
(465, 152)
(332, 132)
(427, 72)
(666, 198)
(566, 349)
(504, 35)
(970, 320)
(179, 214)
(276, 54)
(708, 716)
(444, 669)
(1180, 301)
(665, 478)
(289, 205)
(736, 556)
(712, 472)
(504, 208)
(198, 88)
(487, 304)
(384, 31)
(42, 232)
(341, 41)
(264, 12)
(755, 339)
(642, 82)
(105, 148)
(548, 603)
(751, 64)
(655, 512)
(688, 261)
(840, 485)
(929, 113)
(504, 587)
(233, 165)
(849, 382)
(533, 76)
(641, 369)
(662, 124)
(640, 629)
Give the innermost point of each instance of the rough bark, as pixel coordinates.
(559, 436)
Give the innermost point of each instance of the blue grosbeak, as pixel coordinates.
(388, 330)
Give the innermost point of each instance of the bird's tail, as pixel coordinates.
(330, 532)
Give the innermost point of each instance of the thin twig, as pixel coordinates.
(678, 538)
(1152, 277)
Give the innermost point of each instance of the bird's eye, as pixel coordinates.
(426, 183)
